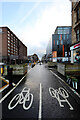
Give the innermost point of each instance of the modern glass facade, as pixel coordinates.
(61, 41)
(63, 30)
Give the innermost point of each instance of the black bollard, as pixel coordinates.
(9, 71)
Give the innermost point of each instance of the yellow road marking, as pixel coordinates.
(4, 85)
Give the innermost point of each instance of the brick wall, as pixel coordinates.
(0, 46)
(4, 42)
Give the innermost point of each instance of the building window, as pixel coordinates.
(12, 49)
(59, 37)
(8, 44)
(8, 41)
(8, 34)
(11, 40)
(64, 36)
(61, 42)
(77, 35)
(11, 34)
(8, 37)
(8, 31)
(77, 14)
(65, 54)
(8, 47)
(8, 54)
(57, 42)
(11, 43)
(8, 50)
(67, 36)
(77, 55)
(12, 52)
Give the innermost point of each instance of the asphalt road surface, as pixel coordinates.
(41, 94)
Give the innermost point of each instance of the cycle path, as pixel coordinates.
(44, 105)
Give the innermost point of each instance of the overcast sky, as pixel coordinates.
(35, 22)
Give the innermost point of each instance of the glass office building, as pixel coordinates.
(61, 41)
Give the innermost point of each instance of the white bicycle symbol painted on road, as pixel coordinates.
(58, 94)
(25, 98)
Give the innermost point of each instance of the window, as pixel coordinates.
(67, 36)
(12, 52)
(61, 42)
(77, 35)
(11, 40)
(77, 14)
(12, 49)
(11, 43)
(11, 34)
(64, 31)
(8, 47)
(64, 36)
(57, 42)
(8, 31)
(8, 53)
(8, 50)
(67, 31)
(77, 55)
(8, 34)
(8, 41)
(8, 37)
(59, 37)
(65, 54)
(8, 44)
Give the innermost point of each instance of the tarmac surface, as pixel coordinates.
(40, 95)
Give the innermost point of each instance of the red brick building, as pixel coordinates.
(12, 50)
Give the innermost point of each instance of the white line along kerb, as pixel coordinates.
(65, 83)
(13, 88)
(40, 103)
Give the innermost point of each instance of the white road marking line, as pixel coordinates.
(13, 88)
(40, 103)
(65, 83)
(56, 75)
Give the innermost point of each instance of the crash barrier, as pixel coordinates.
(10, 75)
(72, 72)
(52, 64)
(20, 69)
(68, 69)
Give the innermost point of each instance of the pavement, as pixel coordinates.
(40, 94)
